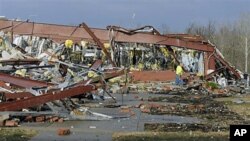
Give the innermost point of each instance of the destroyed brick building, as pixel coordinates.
(44, 65)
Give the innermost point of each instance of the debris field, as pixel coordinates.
(53, 73)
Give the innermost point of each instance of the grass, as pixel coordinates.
(230, 99)
(170, 136)
(212, 85)
(243, 109)
(16, 134)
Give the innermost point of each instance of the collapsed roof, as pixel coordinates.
(144, 35)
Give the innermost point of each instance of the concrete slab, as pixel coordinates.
(102, 130)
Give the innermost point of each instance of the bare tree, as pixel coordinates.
(164, 29)
(206, 31)
(230, 38)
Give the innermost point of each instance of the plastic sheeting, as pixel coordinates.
(193, 62)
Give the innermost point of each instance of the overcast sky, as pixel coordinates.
(176, 14)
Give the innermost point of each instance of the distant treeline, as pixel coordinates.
(230, 38)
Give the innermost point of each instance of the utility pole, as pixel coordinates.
(246, 56)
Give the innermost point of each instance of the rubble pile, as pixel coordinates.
(34, 67)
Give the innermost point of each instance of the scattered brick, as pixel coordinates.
(54, 119)
(125, 109)
(61, 120)
(11, 123)
(40, 119)
(1, 123)
(28, 119)
(63, 131)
